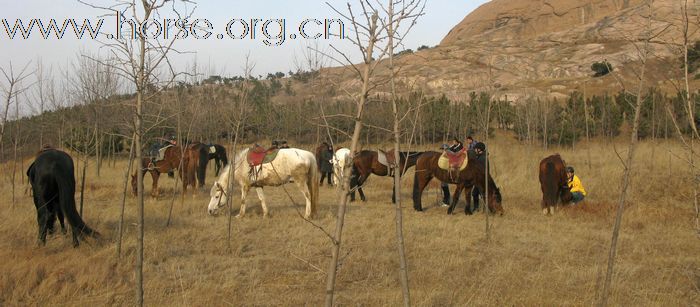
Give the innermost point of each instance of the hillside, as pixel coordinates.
(546, 48)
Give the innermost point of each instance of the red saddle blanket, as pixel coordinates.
(456, 159)
(259, 155)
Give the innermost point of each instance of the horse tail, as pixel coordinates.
(312, 183)
(202, 167)
(222, 155)
(551, 184)
(66, 199)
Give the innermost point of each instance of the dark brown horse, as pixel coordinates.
(472, 175)
(366, 162)
(554, 183)
(173, 160)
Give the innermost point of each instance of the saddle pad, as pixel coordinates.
(381, 158)
(212, 149)
(444, 161)
(390, 157)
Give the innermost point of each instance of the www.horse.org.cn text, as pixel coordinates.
(271, 32)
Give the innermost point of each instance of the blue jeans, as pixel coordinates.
(577, 197)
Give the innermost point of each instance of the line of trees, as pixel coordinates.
(276, 115)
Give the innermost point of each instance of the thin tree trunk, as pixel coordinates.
(140, 92)
(628, 167)
(403, 263)
(124, 192)
(82, 185)
(344, 197)
(588, 136)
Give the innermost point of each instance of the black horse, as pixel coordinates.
(53, 187)
(219, 156)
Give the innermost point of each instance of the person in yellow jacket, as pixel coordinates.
(577, 190)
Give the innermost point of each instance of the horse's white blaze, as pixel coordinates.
(291, 163)
(339, 159)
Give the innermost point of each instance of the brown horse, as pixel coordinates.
(473, 175)
(554, 183)
(172, 160)
(366, 162)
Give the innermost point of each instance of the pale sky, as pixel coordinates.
(217, 56)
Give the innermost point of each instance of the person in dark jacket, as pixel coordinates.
(327, 165)
(479, 157)
(456, 146)
(444, 186)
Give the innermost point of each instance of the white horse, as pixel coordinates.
(290, 163)
(340, 157)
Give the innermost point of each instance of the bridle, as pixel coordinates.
(221, 189)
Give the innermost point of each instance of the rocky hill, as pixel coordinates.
(545, 48)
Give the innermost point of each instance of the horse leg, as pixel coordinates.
(42, 217)
(360, 182)
(51, 223)
(244, 193)
(304, 188)
(355, 185)
(154, 188)
(263, 204)
(455, 198)
(420, 181)
(467, 195)
(59, 215)
(475, 192)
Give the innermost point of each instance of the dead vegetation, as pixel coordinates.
(530, 260)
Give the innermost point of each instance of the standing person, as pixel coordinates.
(445, 187)
(471, 143)
(456, 146)
(577, 190)
(327, 165)
(480, 158)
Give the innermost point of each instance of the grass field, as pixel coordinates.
(530, 260)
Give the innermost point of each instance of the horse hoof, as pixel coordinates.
(238, 216)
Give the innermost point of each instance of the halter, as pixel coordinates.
(221, 189)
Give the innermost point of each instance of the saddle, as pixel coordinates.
(453, 161)
(258, 155)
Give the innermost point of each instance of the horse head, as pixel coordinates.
(495, 200)
(565, 194)
(218, 198)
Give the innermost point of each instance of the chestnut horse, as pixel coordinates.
(366, 162)
(473, 175)
(554, 183)
(172, 160)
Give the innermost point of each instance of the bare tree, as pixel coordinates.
(141, 59)
(408, 11)
(643, 53)
(367, 33)
(11, 87)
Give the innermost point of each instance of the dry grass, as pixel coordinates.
(531, 260)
